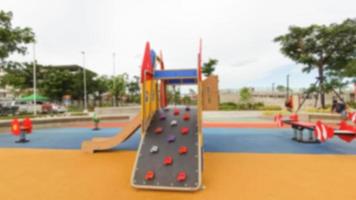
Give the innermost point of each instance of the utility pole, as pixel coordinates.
(85, 84)
(287, 87)
(34, 81)
(114, 78)
(273, 84)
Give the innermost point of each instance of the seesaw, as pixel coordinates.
(318, 132)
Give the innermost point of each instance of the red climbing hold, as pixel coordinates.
(149, 175)
(158, 130)
(183, 150)
(181, 176)
(184, 130)
(168, 160)
(176, 111)
(186, 117)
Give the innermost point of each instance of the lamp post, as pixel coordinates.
(287, 90)
(113, 80)
(273, 84)
(85, 84)
(34, 81)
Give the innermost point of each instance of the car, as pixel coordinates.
(8, 109)
(58, 108)
(27, 107)
(53, 108)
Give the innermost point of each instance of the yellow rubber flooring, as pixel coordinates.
(36, 174)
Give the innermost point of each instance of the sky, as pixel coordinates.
(239, 33)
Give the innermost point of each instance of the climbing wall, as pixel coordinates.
(169, 156)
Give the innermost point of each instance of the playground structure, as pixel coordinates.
(169, 156)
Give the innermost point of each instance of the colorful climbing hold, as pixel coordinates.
(171, 138)
(184, 130)
(168, 160)
(162, 117)
(182, 176)
(183, 150)
(174, 123)
(154, 149)
(158, 130)
(186, 117)
(187, 108)
(176, 111)
(149, 175)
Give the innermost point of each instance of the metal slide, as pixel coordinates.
(105, 143)
(169, 155)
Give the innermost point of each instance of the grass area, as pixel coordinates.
(274, 112)
(229, 106)
(21, 116)
(41, 115)
(78, 114)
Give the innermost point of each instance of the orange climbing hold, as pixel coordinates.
(186, 117)
(183, 150)
(150, 175)
(158, 130)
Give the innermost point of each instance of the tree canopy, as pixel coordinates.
(209, 67)
(55, 82)
(330, 49)
(13, 39)
(245, 95)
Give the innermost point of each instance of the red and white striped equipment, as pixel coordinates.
(294, 117)
(348, 130)
(278, 119)
(323, 132)
(352, 116)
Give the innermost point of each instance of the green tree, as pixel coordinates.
(20, 76)
(57, 83)
(245, 95)
(101, 85)
(77, 85)
(330, 49)
(187, 100)
(209, 67)
(133, 87)
(281, 88)
(13, 39)
(117, 87)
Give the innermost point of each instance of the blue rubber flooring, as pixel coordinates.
(215, 140)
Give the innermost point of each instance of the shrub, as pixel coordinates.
(271, 107)
(352, 104)
(228, 106)
(246, 106)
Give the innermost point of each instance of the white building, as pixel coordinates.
(5, 92)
